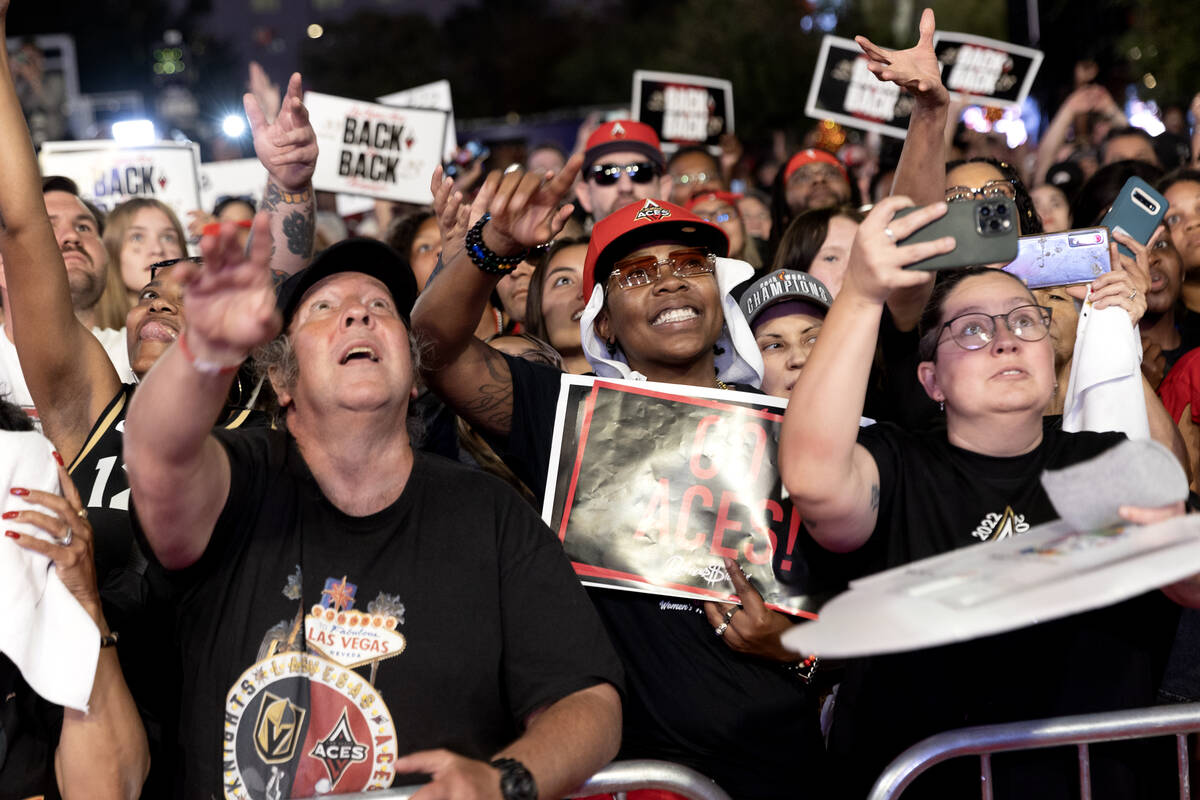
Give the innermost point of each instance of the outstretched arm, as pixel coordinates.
(921, 172)
(286, 144)
(564, 744)
(69, 375)
(469, 375)
(833, 480)
(178, 472)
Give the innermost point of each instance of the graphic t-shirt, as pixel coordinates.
(743, 721)
(936, 497)
(318, 647)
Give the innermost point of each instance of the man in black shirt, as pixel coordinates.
(299, 683)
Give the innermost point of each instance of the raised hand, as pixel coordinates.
(285, 144)
(230, 299)
(525, 207)
(916, 70)
(265, 91)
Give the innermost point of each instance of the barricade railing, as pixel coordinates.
(1081, 731)
(619, 776)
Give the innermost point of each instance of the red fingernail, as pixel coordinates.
(12, 534)
(9, 515)
(58, 458)
(18, 491)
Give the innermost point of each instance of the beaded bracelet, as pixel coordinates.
(483, 257)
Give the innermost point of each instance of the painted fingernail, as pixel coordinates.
(9, 515)
(58, 458)
(18, 491)
(12, 534)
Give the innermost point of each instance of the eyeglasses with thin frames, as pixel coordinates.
(691, 262)
(976, 330)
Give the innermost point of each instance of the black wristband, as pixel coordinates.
(110, 640)
(516, 782)
(483, 258)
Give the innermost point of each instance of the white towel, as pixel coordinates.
(1105, 390)
(43, 629)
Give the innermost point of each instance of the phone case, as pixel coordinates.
(1137, 212)
(1061, 259)
(985, 232)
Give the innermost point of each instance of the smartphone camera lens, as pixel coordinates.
(994, 224)
(984, 211)
(1001, 210)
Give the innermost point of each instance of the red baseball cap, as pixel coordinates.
(810, 156)
(623, 135)
(725, 197)
(640, 223)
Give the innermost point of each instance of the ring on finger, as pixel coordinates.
(729, 614)
(66, 540)
(888, 233)
(720, 629)
(81, 513)
(1132, 294)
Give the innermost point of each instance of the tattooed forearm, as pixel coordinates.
(299, 229)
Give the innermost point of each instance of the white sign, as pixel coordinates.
(985, 71)
(376, 150)
(844, 90)
(241, 177)
(434, 95)
(108, 174)
(683, 109)
(1050, 572)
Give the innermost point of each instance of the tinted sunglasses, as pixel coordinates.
(608, 174)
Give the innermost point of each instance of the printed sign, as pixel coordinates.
(657, 504)
(241, 177)
(375, 150)
(683, 109)
(985, 71)
(434, 95)
(108, 174)
(844, 90)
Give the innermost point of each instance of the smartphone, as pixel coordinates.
(471, 151)
(1061, 259)
(984, 229)
(1136, 212)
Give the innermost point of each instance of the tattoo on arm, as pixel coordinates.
(492, 404)
(440, 266)
(874, 496)
(299, 229)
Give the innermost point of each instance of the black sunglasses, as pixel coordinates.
(608, 174)
(170, 262)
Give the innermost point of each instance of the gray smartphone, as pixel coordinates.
(984, 229)
(1061, 259)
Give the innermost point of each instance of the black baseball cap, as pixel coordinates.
(368, 256)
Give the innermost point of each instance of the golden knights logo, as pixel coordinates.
(339, 750)
(299, 725)
(652, 210)
(277, 730)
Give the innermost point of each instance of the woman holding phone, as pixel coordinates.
(894, 496)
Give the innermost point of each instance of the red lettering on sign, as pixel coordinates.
(702, 472)
(682, 537)
(724, 523)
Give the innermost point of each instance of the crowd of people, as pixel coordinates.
(250, 437)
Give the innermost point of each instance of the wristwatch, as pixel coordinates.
(515, 781)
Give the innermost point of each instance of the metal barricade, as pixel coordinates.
(619, 776)
(1083, 730)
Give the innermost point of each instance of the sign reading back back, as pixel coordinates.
(985, 71)
(375, 150)
(844, 90)
(650, 491)
(683, 109)
(109, 174)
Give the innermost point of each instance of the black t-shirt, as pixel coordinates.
(690, 699)
(894, 394)
(318, 646)
(936, 497)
